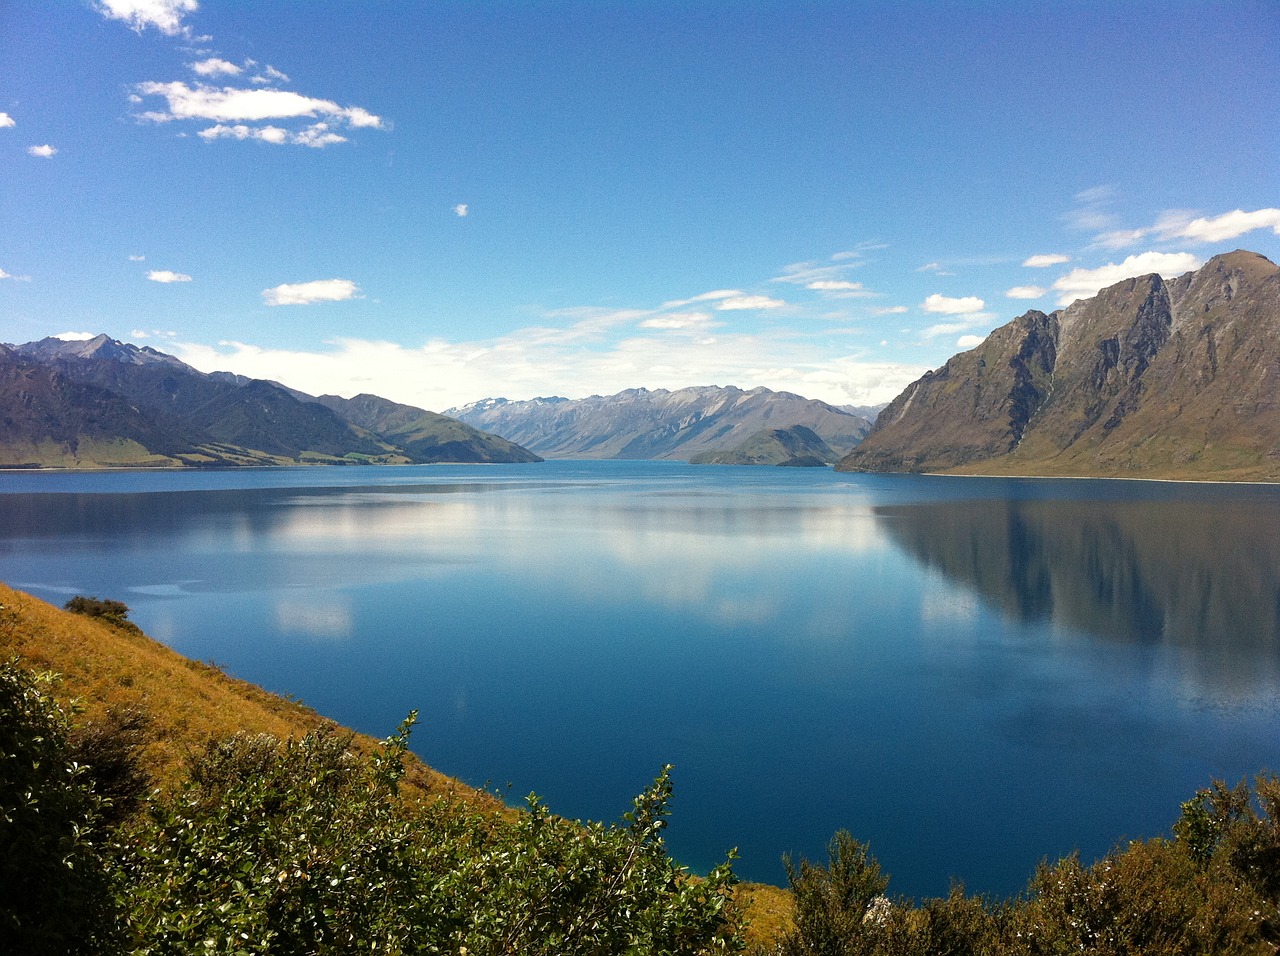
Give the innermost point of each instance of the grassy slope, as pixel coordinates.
(186, 703)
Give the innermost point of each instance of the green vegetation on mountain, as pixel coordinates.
(1149, 378)
(102, 403)
(795, 446)
(423, 435)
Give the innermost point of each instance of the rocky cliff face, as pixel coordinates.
(639, 423)
(1149, 378)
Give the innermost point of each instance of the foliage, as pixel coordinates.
(56, 896)
(115, 613)
(302, 847)
(1212, 889)
(838, 906)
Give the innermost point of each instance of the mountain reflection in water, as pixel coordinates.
(1202, 578)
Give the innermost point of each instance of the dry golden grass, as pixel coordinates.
(769, 912)
(106, 669)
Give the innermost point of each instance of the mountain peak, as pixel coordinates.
(1174, 378)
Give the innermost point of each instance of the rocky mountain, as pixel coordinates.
(104, 403)
(1149, 378)
(639, 423)
(423, 435)
(796, 446)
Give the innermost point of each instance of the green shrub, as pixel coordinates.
(56, 896)
(115, 613)
(302, 847)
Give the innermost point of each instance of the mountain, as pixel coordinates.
(423, 435)
(1149, 378)
(104, 403)
(796, 446)
(639, 423)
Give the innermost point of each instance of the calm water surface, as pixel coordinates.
(970, 674)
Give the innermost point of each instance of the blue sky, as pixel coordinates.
(441, 202)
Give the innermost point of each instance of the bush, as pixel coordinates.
(56, 897)
(115, 613)
(303, 847)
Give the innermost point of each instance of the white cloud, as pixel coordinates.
(840, 289)
(1045, 260)
(952, 306)
(305, 293)
(1093, 210)
(13, 278)
(461, 210)
(271, 75)
(214, 66)
(317, 135)
(1026, 292)
(748, 302)
(76, 336)
(137, 258)
(702, 297)
(231, 104)
(601, 353)
(1119, 238)
(267, 134)
(166, 276)
(1083, 283)
(891, 310)
(681, 322)
(929, 267)
(6, 120)
(969, 341)
(951, 328)
(45, 152)
(1230, 225)
(165, 15)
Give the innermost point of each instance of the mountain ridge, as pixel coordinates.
(641, 423)
(1153, 378)
(105, 403)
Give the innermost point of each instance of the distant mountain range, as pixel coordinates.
(639, 423)
(1149, 378)
(104, 403)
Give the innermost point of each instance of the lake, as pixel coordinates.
(969, 674)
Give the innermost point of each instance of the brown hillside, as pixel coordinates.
(184, 703)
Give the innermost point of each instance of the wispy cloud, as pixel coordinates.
(164, 15)
(890, 310)
(952, 306)
(1026, 292)
(1045, 260)
(133, 258)
(305, 293)
(166, 276)
(44, 152)
(682, 322)
(1179, 225)
(1083, 283)
(6, 275)
(461, 210)
(961, 325)
(1092, 211)
(739, 302)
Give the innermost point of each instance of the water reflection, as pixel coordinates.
(1200, 578)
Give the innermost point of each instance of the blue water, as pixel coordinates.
(969, 674)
